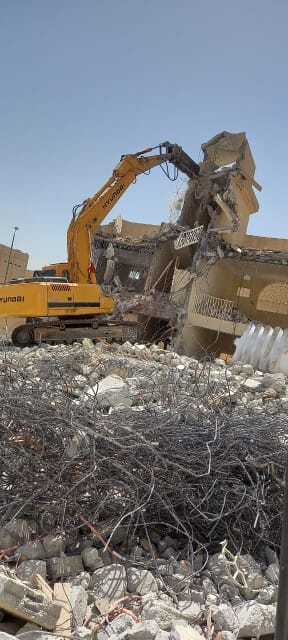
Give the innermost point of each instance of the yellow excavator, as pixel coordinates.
(66, 299)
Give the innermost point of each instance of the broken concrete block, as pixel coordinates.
(181, 630)
(120, 624)
(272, 573)
(142, 631)
(27, 569)
(162, 635)
(111, 391)
(141, 581)
(109, 583)
(78, 601)
(224, 618)
(83, 633)
(21, 529)
(82, 580)
(29, 626)
(92, 559)
(64, 567)
(177, 582)
(255, 620)
(28, 604)
(6, 539)
(37, 635)
(54, 546)
(252, 384)
(31, 551)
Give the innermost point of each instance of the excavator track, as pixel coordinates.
(29, 334)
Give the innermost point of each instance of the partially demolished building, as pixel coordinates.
(204, 279)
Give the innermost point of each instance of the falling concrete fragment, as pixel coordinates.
(26, 603)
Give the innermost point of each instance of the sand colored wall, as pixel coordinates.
(132, 229)
(17, 269)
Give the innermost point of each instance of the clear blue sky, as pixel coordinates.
(83, 81)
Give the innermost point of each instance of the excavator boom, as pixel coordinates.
(76, 303)
(94, 210)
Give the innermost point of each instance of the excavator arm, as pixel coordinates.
(94, 210)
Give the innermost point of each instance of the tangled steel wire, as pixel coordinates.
(202, 476)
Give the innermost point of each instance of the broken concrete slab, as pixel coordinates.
(28, 604)
(109, 582)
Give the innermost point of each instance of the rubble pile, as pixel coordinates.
(141, 493)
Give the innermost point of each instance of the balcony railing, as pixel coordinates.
(189, 237)
(210, 306)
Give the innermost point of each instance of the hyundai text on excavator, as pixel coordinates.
(72, 300)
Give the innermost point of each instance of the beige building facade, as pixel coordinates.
(13, 264)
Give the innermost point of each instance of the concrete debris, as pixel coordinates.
(109, 583)
(29, 568)
(255, 620)
(141, 581)
(111, 391)
(28, 604)
(92, 559)
(183, 631)
(152, 582)
(64, 567)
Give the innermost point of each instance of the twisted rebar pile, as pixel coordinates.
(187, 465)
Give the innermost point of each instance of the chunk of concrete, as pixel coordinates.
(27, 569)
(6, 539)
(181, 630)
(29, 626)
(83, 633)
(272, 573)
(78, 601)
(82, 580)
(92, 559)
(109, 583)
(54, 546)
(255, 620)
(120, 624)
(31, 551)
(142, 631)
(64, 567)
(141, 581)
(111, 391)
(28, 604)
(252, 384)
(224, 618)
(21, 529)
